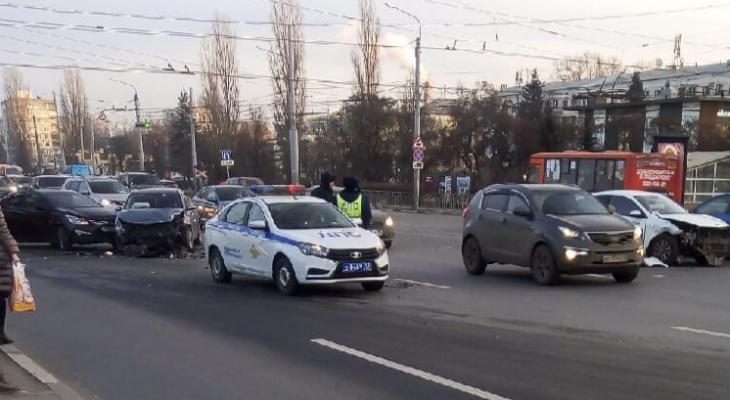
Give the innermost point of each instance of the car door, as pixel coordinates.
(630, 209)
(14, 215)
(228, 234)
(718, 207)
(258, 252)
(516, 231)
(35, 217)
(489, 222)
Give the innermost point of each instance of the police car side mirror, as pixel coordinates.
(257, 224)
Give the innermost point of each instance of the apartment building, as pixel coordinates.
(38, 124)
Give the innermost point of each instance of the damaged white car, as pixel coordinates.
(670, 232)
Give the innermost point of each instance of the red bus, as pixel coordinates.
(610, 170)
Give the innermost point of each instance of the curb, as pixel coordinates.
(60, 389)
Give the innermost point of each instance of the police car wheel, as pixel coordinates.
(218, 268)
(284, 277)
(373, 286)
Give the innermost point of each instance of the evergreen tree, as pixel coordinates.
(636, 89)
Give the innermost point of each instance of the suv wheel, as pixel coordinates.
(544, 270)
(472, 255)
(626, 277)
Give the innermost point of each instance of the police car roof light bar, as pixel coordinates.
(278, 190)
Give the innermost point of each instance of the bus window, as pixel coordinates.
(620, 174)
(569, 171)
(533, 175)
(603, 177)
(586, 174)
(552, 171)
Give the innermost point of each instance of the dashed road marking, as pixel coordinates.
(658, 276)
(599, 276)
(482, 394)
(426, 284)
(702, 331)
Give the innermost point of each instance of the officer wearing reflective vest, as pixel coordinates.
(353, 203)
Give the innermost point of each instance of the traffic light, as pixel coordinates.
(145, 125)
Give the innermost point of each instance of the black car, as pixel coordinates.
(49, 181)
(139, 180)
(212, 199)
(59, 217)
(553, 229)
(157, 220)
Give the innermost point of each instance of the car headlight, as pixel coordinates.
(380, 247)
(105, 202)
(76, 220)
(313, 250)
(569, 233)
(637, 233)
(389, 221)
(13, 188)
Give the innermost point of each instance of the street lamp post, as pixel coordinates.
(137, 122)
(416, 105)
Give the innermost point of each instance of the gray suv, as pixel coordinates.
(553, 229)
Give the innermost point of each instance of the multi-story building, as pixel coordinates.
(38, 125)
(693, 100)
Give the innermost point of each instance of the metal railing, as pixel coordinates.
(435, 201)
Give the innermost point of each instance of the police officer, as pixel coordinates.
(325, 190)
(353, 203)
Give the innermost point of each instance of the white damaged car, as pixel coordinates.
(670, 232)
(293, 240)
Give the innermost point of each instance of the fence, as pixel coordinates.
(404, 200)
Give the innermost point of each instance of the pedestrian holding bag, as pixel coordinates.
(21, 300)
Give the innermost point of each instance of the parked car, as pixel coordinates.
(552, 229)
(718, 207)
(156, 220)
(19, 182)
(244, 181)
(211, 199)
(139, 180)
(49, 181)
(670, 232)
(382, 223)
(105, 191)
(59, 217)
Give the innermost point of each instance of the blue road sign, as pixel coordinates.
(226, 154)
(418, 155)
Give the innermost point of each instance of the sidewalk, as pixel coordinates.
(32, 381)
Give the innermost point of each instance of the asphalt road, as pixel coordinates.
(120, 329)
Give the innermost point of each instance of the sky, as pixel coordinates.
(493, 40)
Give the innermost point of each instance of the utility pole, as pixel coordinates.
(81, 135)
(293, 134)
(417, 121)
(193, 148)
(60, 134)
(39, 160)
(93, 148)
(139, 131)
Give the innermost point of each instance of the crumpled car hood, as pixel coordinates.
(699, 220)
(148, 216)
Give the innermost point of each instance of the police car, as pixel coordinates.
(293, 240)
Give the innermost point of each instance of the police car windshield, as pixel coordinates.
(660, 204)
(308, 216)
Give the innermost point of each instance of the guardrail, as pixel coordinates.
(404, 200)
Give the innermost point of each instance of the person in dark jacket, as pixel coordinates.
(9, 254)
(326, 188)
(353, 202)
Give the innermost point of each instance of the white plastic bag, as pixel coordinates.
(21, 300)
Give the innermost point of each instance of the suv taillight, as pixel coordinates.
(465, 212)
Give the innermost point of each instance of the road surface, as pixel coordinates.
(121, 328)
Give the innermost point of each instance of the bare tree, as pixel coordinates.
(75, 108)
(367, 61)
(220, 77)
(287, 21)
(587, 66)
(16, 111)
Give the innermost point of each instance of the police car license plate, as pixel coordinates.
(377, 232)
(356, 267)
(615, 258)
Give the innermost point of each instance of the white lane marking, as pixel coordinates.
(659, 276)
(410, 371)
(599, 276)
(426, 284)
(702, 331)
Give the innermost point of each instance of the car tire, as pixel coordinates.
(373, 286)
(284, 277)
(187, 238)
(63, 238)
(665, 248)
(119, 246)
(471, 254)
(218, 269)
(388, 244)
(626, 277)
(544, 270)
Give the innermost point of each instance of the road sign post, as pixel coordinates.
(227, 161)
